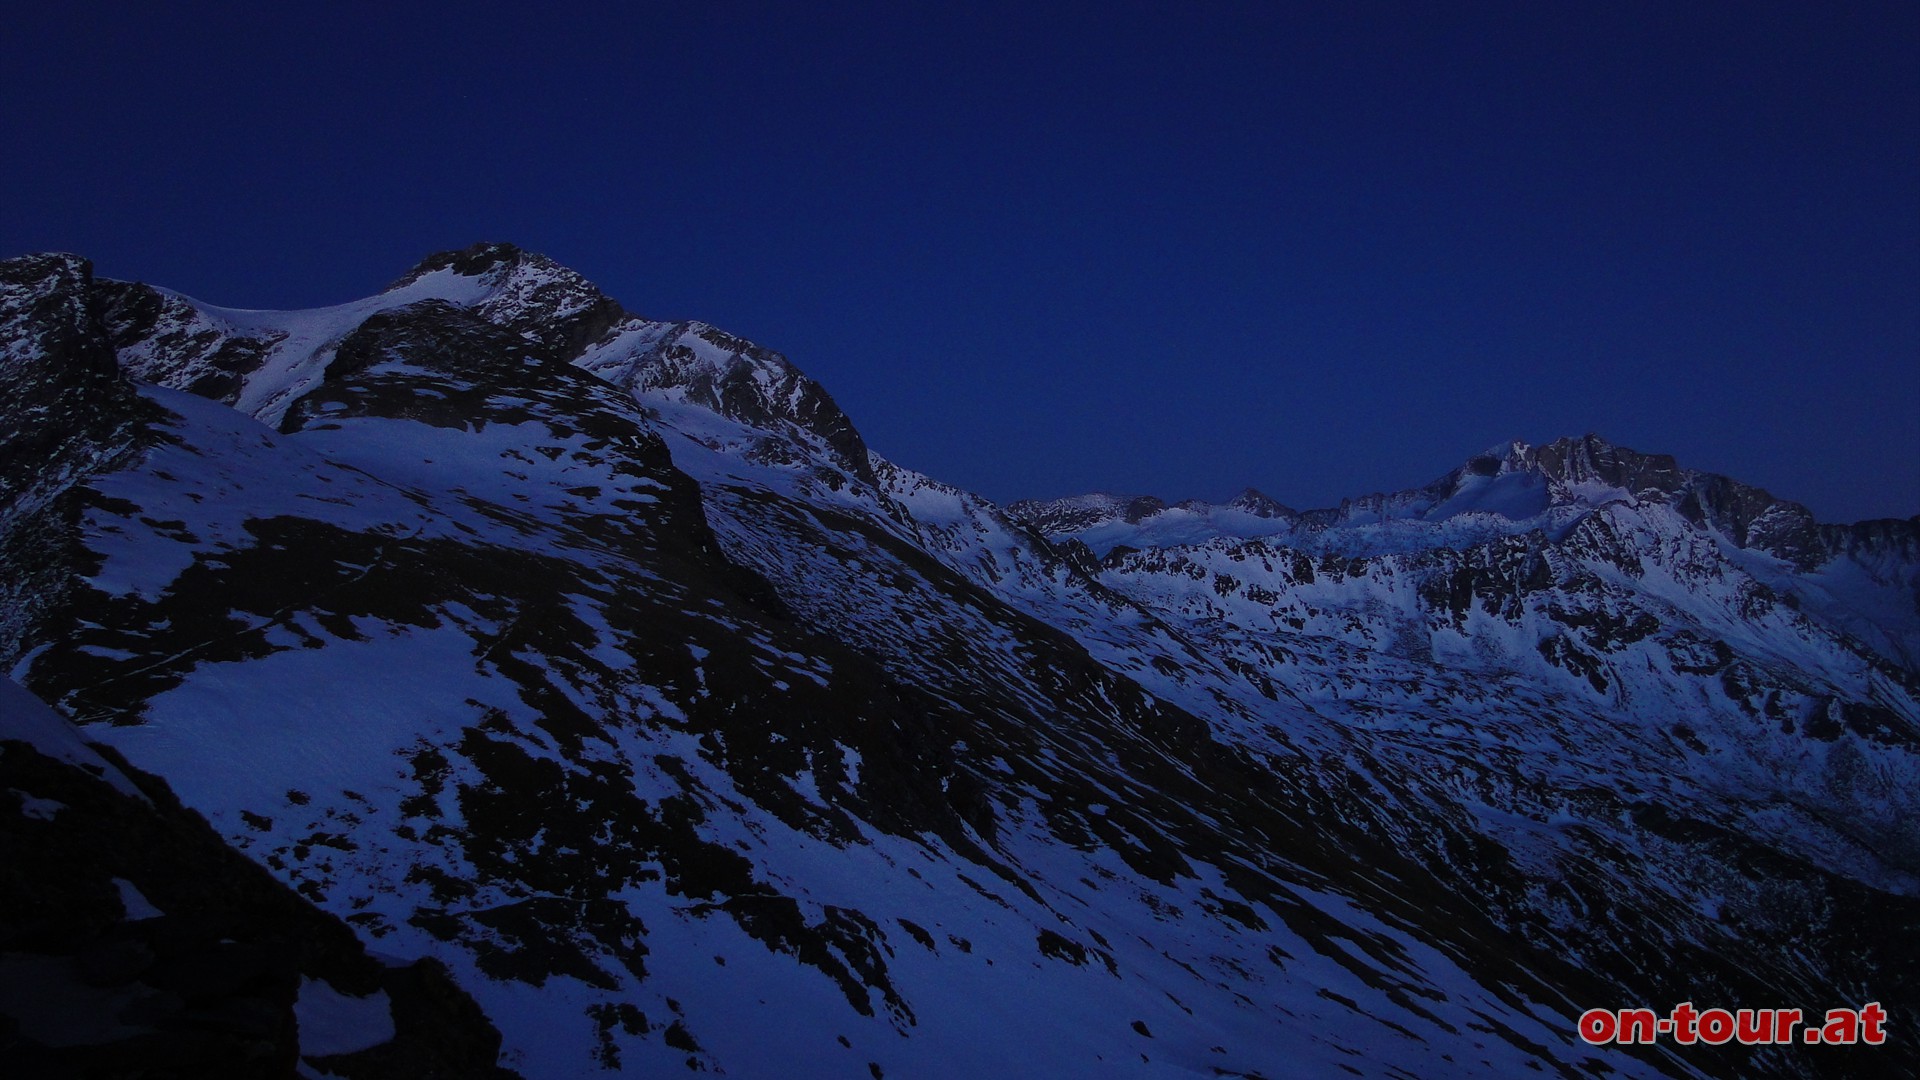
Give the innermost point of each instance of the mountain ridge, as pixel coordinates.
(600, 660)
(1566, 461)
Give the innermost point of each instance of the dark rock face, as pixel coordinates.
(1749, 516)
(1884, 537)
(1259, 505)
(67, 409)
(1072, 515)
(68, 413)
(1591, 458)
(173, 337)
(474, 261)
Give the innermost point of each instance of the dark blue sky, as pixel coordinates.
(1319, 249)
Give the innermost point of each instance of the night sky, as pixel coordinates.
(1318, 249)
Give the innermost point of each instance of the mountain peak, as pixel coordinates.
(48, 264)
(1591, 458)
(1512, 453)
(527, 292)
(1259, 504)
(1513, 482)
(1572, 463)
(473, 260)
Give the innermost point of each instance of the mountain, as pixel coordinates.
(597, 662)
(1863, 578)
(1106, 521)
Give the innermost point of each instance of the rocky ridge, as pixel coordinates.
(598, 660)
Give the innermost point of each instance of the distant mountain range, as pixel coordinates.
(634, 716)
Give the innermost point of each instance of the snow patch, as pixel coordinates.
(333, 1023)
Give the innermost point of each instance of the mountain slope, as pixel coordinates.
(600, 660)
(162, 952)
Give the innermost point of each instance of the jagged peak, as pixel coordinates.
(1077, 512)
(1134, 507)
(694, 360)
(26, 279)
(1074, 512)
(41, 264)
(1520, 481)
(717, 349)
(1259, 504)
(474, 260)
(1590, 470)
(1570, 460)
(1513, 450)
(701, 364)
(1591, 457)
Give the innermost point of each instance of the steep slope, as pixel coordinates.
(1495, 750)
(599, 659)
(135, 943)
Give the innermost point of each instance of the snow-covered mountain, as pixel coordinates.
(598, 660)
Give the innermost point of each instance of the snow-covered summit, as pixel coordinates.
(263, 362)
(1510, 487)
